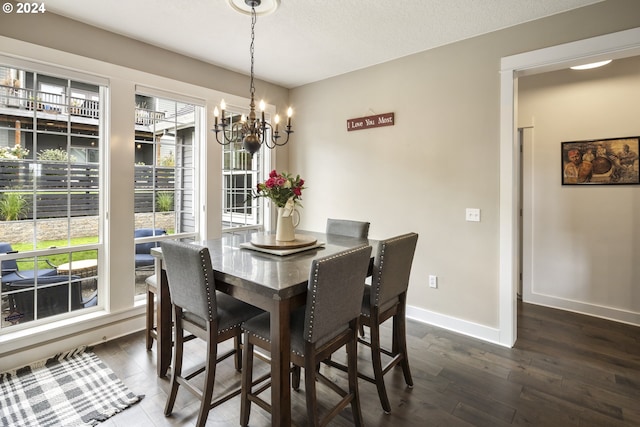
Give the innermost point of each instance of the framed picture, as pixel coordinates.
(601, 161)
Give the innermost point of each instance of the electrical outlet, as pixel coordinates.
(433, 281)
(473, 214)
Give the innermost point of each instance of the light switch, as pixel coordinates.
(473, 214)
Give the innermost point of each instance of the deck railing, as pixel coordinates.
(30, 99)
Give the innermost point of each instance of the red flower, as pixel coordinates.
(280, 188)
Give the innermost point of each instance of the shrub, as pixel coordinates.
(13, 206)
(164, 201)
(167, 161)
(56, 155)
(15, 152)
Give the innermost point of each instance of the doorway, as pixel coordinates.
(611, 46)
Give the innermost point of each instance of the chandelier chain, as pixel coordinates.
(251, 47)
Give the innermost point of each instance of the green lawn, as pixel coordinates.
(60, 258)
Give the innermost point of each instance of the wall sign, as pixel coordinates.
(386, 119)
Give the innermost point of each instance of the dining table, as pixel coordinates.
(271, 278)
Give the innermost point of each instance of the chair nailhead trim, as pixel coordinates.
(261, 338)
(208, 286)
(314, 287)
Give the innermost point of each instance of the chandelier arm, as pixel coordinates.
(237, 131)
(272, 142)
(225, 140)
(280, 144)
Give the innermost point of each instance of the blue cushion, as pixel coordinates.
(143, 260)
(145, 248)
(148, 232)
(27, 276)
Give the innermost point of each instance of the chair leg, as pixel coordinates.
(377, 366)
(310, 389)
(352, 364)
(237, 342)
(176, 372)
(400, 339)
(209, 377)
(295, 378)
(247, 379)
(150, 311)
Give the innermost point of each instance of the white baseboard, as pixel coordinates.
(609, 313)
(464, 327)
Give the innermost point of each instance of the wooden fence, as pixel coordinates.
(73, 189)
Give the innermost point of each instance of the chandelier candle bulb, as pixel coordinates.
(215, 115)
(289, 114)
(277, 120)
(262, 106)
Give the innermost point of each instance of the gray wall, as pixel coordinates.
(441, 157)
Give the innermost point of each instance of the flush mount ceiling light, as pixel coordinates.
(267, 7)
(253, 131)
(592, 65)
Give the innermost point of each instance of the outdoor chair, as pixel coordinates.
(327, 323)
(52, 288)
(52, 298)
(385, 299)
(202, 311)
(144, 259)
(11, 274)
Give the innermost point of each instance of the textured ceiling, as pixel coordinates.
(306, 40)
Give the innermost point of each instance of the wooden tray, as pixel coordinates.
(268, 241)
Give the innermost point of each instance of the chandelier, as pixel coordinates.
(253, 131)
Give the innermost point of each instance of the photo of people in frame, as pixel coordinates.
(604, 161)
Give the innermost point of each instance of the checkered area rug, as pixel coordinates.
(71, 389)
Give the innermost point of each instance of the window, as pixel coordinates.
(240, 175)
(167, 136)
(50, 196)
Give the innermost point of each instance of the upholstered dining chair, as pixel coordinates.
(205, 313)
(349, 228)
(384, 299)
(327, 323)
(346, 227)
(151, 332)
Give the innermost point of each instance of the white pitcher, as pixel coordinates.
(285, 226)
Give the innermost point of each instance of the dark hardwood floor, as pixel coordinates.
(566, 369)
